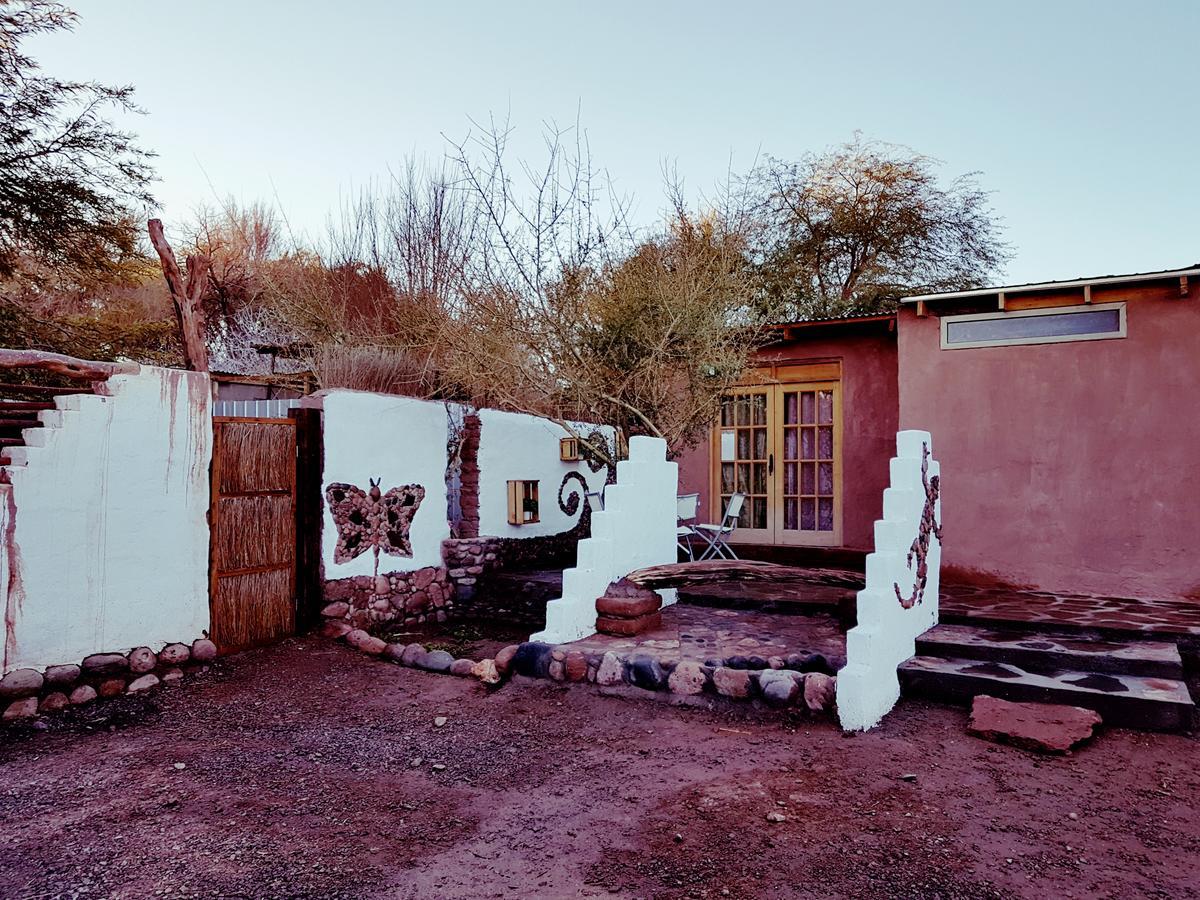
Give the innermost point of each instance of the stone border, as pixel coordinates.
(28, 692)
(780, 682)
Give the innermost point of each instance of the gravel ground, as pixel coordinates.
(308, 770)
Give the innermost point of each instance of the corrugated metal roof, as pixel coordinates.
(1050, 285)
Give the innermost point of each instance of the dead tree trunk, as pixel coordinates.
(69, 366)
(185, 296)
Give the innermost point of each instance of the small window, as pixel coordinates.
(1034, 326)
(522, 502)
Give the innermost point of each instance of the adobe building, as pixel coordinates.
(1065, 416)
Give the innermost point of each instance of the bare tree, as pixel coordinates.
(852, 229)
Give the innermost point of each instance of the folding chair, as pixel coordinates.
(717, 535)
(688, 505)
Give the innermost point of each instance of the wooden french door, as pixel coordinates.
(780, 444)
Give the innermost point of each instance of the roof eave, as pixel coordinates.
(1054, 285)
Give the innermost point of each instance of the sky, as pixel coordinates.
(1081, 118)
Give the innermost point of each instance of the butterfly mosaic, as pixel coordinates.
(373, 519)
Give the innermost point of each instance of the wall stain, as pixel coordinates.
(15, 596)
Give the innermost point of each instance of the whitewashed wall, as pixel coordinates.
(868, 687)
(636, 529)
(400, 441)
(515, 447)
(106, 535)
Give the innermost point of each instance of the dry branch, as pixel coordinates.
(59, 364)
(186, 297)
(721, 571)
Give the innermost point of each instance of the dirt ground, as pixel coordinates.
(307, 770)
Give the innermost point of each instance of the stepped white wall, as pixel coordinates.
(635, 529)
(105, 522)
(868, 687)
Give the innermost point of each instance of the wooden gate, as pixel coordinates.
(252, 595)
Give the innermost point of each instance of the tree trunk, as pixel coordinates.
(186, 297)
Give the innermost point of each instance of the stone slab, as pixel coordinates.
(1044, 727)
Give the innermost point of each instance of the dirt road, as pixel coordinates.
(308, 770)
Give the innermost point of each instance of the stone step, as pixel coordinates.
(12, 423)
(1044, 652)
(23, 408)
(1128, 701)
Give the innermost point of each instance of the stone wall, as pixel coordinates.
(28, 692)
(399, 598)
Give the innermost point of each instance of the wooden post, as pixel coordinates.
(186, 297)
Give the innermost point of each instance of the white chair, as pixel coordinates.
(718, 535)
(595, 499)
(687, 508)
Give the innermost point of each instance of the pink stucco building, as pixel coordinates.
(1064, 415)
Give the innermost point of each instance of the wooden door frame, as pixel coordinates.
(777, 377)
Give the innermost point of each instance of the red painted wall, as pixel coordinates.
(1071, 466)
(870, 407)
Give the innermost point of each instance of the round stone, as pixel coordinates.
(820, 691)
(21, 683)
(105, 664)
(732, 682)
(21, 709)
(411, 654)
(505, 657)
(204, 650)
(140, 685)
(142, 660)
(85, 693)
(611, 671)
(111, 687)
(361, 641)
(688, 678)
(172, 675)
(486, 671)
(646, 672)
(60, 676)
(53, 702)
(779, 687)
(462, 667)
(435, 661)
(174, 654)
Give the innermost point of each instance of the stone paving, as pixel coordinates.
(715, 636)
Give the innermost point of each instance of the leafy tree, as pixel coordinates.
(852, 229)
(69, 179)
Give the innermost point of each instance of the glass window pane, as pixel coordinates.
(789, 478)
(790, 405)
(743, 478)
(743, 444)
(806, 408)
(790, 513)
(743, 411)
(789, 443)
(760, 512)
(825, 407)
(825, 441)
(825, 477)
(760, 409)
(760, 478)
(727, 446)
(1014, 327)
(825, 514)
(726, 478)
(807, 448)
(760, 443)
(744, 516)
(726, 410)
(807, 484)
(808, 514)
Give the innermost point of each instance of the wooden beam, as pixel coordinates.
(721, 571)
(1087, 293)
(1000, 301)
(185, 296)
(59, 364)
(1183, 286)
(921, 311)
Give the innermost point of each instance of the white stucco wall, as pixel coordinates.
(885, 636)
(106, 544)
(399, 440)
(515, 447)
(636, 529)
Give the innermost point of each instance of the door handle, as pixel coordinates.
(771, 464)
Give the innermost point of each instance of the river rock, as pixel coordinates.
(462, 667)
(105, 664)
(21, 709)
(336, 610)
(646, 672)
(172, 675)
(366, 643)
(731, 682)
(411, 654)
(204, 650)
(486, 671)
(575, 666)
(778, 686)
(21, 683)
(85, 693)
(1043, 727)
(174, 654)
(61, 676)
(53, 702)
(142, 660)
(335, 628)
(611, 671)
(688, 678)
(143, 684)
(533, 659)
(505, 657)
(820, 691)
(435, 661)
(111, 687)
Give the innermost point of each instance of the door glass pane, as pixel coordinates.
(727, 445)
(760, 512)
(807, 484)
(760, 409)
(789, 443)
(825, 514)
(790, 518)
(743, 478)
(760, 443)
(726, 478)
(825, 477)
(760, 478)
(808, 514)
(825, 441)
(743, 411)
(807, 450)
(743, 444)
(726, 411)
(806, 408)
(825, 407)
(789, 408)
(789, 478)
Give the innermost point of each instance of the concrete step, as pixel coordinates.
(1052, 652)
(23, 408)
(1128, 701)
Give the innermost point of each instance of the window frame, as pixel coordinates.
(1121, 331)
